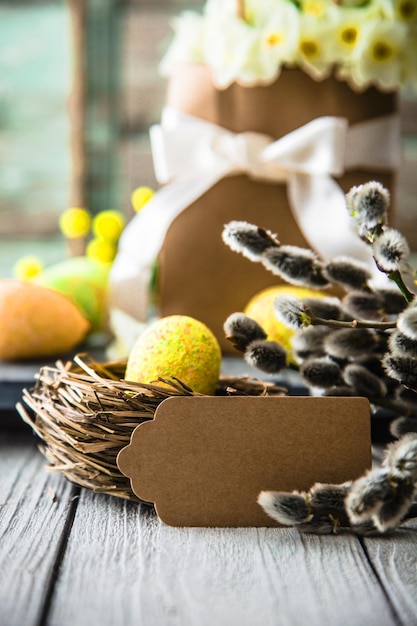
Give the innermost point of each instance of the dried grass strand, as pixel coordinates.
(84, 413)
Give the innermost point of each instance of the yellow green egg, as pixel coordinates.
(261, 309)
(82, 280)
(176, 346)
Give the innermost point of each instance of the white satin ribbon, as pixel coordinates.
(191, 155)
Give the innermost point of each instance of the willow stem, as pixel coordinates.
(319, 321)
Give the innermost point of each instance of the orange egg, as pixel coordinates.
(37, 322)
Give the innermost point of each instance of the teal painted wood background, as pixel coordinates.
(35, 73)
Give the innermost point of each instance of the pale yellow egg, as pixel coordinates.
(261, 309)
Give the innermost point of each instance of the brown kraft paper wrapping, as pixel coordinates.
(198, 274)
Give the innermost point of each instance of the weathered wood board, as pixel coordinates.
(94, 559)
(35, 509)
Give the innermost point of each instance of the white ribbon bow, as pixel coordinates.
(190, 155)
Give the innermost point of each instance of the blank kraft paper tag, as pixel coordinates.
(203, 460)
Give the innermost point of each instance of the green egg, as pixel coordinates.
(84, 281)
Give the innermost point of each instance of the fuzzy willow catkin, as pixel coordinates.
(361, 343)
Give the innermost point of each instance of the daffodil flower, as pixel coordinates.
(365, 42)
(230, 50)
(186, 45)
(382, 56)
(278, 42)
(346, 36)
(317, 9)
(314, 47)
(406, 11)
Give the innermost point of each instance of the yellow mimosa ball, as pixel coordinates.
(75, 222)
(27, 267)
(180, 346)
(141, 196)
(108, 225)
(101, 250)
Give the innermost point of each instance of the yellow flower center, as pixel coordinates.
(349, 35)
(407, 10)
(309, 48)
(274, 39)
(382, 51)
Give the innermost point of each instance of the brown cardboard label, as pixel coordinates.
(203, 460)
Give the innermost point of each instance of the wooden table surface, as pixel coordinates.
(69, 556)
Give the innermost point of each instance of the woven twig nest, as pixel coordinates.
(84, 413)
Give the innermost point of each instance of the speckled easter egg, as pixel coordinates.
(179, 346)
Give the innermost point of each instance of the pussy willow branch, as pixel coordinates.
(319, 321)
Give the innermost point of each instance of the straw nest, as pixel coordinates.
(84, 413)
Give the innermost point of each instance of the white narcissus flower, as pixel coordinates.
(255, 49)
(353, 26)
(382, 9)
(366, 42)
(317, 9)
(187, 43)
(230, 50)
(259, 12)
(347, 36)
(224, 8)
(381, 57)
(278, 42)
(314, 49)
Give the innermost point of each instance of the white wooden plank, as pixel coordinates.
(395, 561)
(123, 566)
(33, 511)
